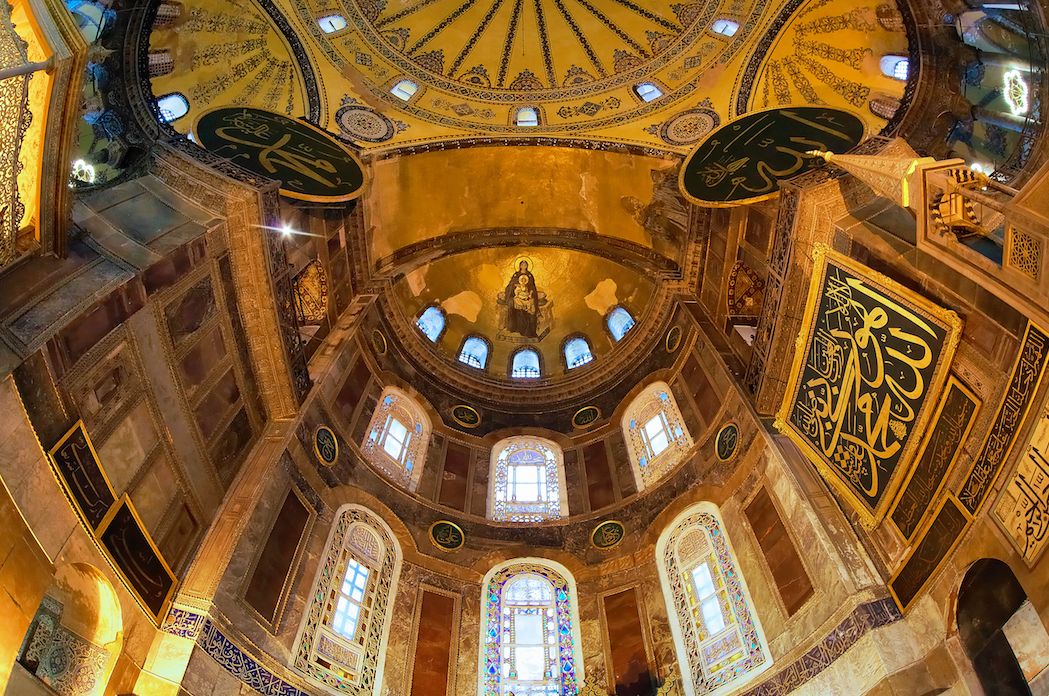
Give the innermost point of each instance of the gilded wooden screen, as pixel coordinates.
(871, 356)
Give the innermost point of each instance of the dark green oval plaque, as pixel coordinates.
(586, 416)
(673, 339)
(310, 164)
(446, 535)
(726, 442)
(607, 535)
(326, 445)
(744, 160)
(466, 416)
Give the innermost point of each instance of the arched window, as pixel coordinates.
(895, 67)
(648, 91)
(474, 352)
(530, 640)
(340, 644)
(527, 116)
(655, 433)
(526, 481)
(332, 23)
(172, 106)
(577, 352)
(719, 641)
(159, 63)
(725, 27)
(397, 438)
(525, 364)
(619, 321)
(431, 322)
(405, 90)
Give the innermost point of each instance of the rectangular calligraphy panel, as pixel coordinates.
(925, 558)
(1027, 375)
(952, 422)
(136, 557)
(76, 462)
(871, 359)
(1023, 508)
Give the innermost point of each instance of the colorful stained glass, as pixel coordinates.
(526, 481)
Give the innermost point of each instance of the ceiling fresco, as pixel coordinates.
(574, 291)
(576, 61)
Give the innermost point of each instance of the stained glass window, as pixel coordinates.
(397, 437)
(527, 481)
(656, 435)
(525, 364)
(619, 321)
(340, 641)
(474, 352)
(577, 352)
(431, 323)
(529, 631)
(718, 638)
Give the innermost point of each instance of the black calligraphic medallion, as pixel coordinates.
(326, 445)
(310, 164)
(466, 416)
(871, 361)
(446, 535)
(379, 342)
(137, 558)
(673, 339)
(744, 160)
(586, 416)
(607, 535)
(82, 475)
(726, 442)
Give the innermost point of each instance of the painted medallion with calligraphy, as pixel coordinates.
(873, 355)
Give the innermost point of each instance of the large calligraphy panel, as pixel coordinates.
(76, 462)
(952, 423)
(872, 357)
(137, 558)
(1023, 508)
(310, 164)
(927, 556)
(743, 161)
(1027, 375)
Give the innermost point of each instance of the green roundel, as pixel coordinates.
(744, 160)
(310, 164)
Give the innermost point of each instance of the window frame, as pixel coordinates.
(444, 322)
(330, 15)
(397, 82)
(640, 411)
(487, 357)
(564, 356)
(174, 95)
(728, 21)
(894, 59)
(636, 89)
(416, 445)
(516, 112)
(510, 364)
(608, 329)
(556, 498)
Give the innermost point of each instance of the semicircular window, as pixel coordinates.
(725, 27)
(577, 352)
(172, 106)
(431, 322)
(619, 321)
(896, 67)
(525, 364)
(332, 23)
(474, 352)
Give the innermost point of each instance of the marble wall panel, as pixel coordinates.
(265, 589)
(792, 580)
(433, 644)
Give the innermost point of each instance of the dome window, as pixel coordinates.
(619, 321)
(525, 364)
(896, 67)
(655, 433)
(474, 352)
(725, 27)
(577, 352)
(431, 322)
(527, 478)
(332, 23)
(648, 91)
(404, 90)
(527, 117)
(172, 106)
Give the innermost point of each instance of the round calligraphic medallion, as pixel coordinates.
(326, 445)
(726, 441)
(310, 164)
(607, 535)
(673, 340)
(689, 126)
(744, 160)
(586, 416)
(447, 536)
(466, 416)
(379, 342)
(361, 123)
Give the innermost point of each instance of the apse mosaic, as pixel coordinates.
(871, 361)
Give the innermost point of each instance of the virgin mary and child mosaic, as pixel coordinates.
(525, 311)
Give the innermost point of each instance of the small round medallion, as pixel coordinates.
(361, 123)
(586, 416)
(379, 342)
(326, 446)
(673, 340)
(466, 416)
(689, 126)
(726, 441)
(607, 535)
(446, 535)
